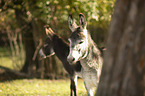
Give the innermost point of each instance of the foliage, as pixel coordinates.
(55, 12)
(36, 87)
(27, 17)
(99, 10)
(98, 14)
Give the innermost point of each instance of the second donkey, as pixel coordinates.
(55, 44)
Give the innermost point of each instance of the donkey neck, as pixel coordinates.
(93, 59)
(61, 48)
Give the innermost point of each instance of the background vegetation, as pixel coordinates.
(21, 29)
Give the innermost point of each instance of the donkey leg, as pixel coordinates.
(90, 89)
(71, 91)
(74, 85)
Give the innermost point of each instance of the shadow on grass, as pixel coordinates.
(7, 74)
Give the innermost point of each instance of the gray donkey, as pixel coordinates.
(83, 49)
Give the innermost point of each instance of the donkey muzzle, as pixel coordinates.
(41, 53)
(70, 60)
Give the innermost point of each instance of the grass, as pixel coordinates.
(7, 60)
(34, 87)
(39, 87)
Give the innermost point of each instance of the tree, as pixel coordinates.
(124, 62)
(31, 15)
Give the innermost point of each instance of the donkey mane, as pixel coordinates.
(93, 52)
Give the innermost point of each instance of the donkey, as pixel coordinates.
(83, 49)
(55, 44)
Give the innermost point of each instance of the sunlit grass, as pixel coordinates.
(37, 87)
(34, 87)
(6, 62)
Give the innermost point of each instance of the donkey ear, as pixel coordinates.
(71, 23)
(82, 20)
(48, 30)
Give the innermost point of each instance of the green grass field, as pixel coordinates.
(39, 87)
(34, 87)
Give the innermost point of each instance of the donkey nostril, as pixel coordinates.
(70, 60)
(73, 59)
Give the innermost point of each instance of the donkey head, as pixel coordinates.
(47, 49)
(78, 39)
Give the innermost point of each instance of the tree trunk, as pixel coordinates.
(123, 72)
(29, 65)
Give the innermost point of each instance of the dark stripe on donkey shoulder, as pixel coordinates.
(77, 66)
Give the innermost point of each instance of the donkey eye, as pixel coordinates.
(81, 42)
